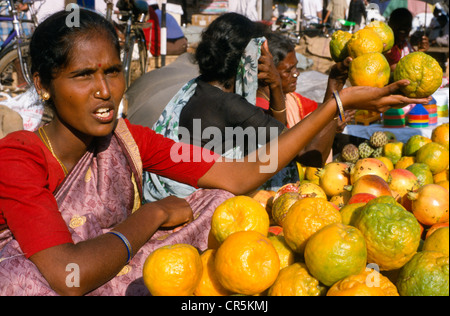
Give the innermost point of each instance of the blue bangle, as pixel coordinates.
(126, 242)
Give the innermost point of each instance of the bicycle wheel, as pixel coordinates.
(135, 67)
(11, 75)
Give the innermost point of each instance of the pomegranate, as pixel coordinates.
(281, 206)
(430, 204)
(333, 178)
(341, 199)
(369, 166)
(371, 184)
(361, 198)
(402, 182)
(290, 187)
(313, 190)
(265, 198)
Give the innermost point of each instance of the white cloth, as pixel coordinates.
(247, 8)
(310, 9)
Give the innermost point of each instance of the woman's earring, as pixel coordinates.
(45, 96)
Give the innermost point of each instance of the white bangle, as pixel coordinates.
(340, 106)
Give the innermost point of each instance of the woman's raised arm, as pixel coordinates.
(243, 176)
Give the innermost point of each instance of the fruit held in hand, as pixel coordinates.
(424, 73)
(338, 45)
(364, 41)
(385, 32)
(369, 70)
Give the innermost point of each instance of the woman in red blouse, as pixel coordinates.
(71, 218)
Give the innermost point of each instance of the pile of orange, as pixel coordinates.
(301, 243)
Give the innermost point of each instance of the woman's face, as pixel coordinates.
(288, 72)
(87, 93)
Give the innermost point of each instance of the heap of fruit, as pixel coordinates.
(367, 227)
(369, 67)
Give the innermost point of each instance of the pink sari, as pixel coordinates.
(102, 191)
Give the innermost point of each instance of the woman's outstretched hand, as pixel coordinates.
(378, 99)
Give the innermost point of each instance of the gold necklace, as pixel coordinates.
(48, 144)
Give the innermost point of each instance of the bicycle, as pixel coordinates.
(14, 52)
(133, 13)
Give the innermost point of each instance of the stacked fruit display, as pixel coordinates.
(371, 227)
(369, 67)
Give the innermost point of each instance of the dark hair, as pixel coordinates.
(53, 40)
(400, 17)
(279, 46)
(222, 45)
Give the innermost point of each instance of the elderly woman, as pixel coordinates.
(297, 106)
(71, 220)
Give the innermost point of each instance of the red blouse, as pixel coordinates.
(29, 174)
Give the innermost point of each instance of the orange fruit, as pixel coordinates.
(440, 135)
(335, 252)
(435, 156)
(370, 69)
(247, 263)
(435, 227)
(414, 143)
(404, 162)
(437, 241)
(392, 233)
(426, 274)
(393, 151)
(363, 42)
(367, 283)
(385, 32)
(173, 270)
(441, 176)
(338, 45)
(444, 184)
(387, 162)
(295, 280)
(239, 213)
(350, 213)
(209, 285)
(286, 255)
(306, 217)
(424, 73)
(313, 190)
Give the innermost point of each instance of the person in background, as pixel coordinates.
(311, 11)
(177, 43)
(401, 23)
(299, 107)
(356, 12)
(338, 10)
(439, 28)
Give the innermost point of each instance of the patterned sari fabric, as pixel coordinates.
(157, 187)
(102, 191)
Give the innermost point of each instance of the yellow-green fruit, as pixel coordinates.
(338, 45)
(424, 73)
(426, 274)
